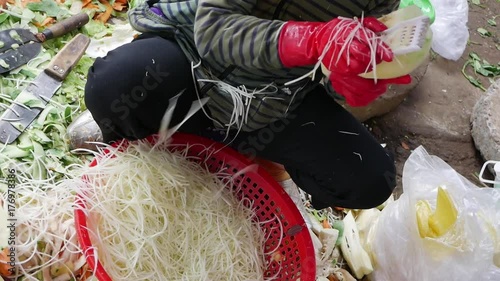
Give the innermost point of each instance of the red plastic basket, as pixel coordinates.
(296, 259)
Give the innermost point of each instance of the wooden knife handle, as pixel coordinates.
(64, 27)
(64, 61)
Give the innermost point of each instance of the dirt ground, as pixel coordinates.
(436, 114)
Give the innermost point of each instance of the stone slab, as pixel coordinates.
(485, 120)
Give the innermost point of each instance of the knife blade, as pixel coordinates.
(18, 46)
(33, 99)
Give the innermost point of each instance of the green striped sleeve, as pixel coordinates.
(225, 31)
(377, 8)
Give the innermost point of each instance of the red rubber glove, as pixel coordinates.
(359, 91)
(302, 44)
(349, 54)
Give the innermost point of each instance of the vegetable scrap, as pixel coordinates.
(156, 215)
(492, 21)
(480, 67)
(4, 64)
(120, 5)
(104, 17)
(342, 240)
(51, 10)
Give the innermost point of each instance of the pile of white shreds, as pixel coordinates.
(155, 215)
(46, 246)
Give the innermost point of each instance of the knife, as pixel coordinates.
(18, 46)
(32, 100)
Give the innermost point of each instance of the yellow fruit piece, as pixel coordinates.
(423, 214)
(445, 215)
(402, 64)
(441, 221)
(496, 259)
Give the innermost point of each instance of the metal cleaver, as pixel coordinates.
(32, 100)
(18, 46)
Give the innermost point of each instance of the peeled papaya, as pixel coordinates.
(402, 64)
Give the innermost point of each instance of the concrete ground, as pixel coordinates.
(436, 114)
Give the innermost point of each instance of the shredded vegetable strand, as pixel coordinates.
(241, 99)
(163, 217)
(356, 28)
(46, 241)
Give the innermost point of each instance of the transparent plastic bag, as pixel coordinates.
(470, 250)
(450, 28)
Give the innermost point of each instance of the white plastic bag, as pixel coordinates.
(450, 28)
(470, 251)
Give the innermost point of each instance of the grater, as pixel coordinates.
(407, 36)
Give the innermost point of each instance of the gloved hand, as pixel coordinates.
(347, 43)
(360, 91)
(347, 46)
